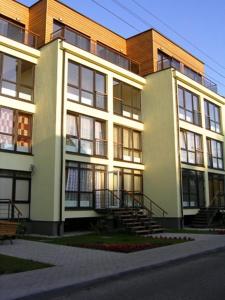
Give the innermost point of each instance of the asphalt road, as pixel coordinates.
(197, 279)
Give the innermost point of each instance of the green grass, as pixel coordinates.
(10, 264)
(96, 241)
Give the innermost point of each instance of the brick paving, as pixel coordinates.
(76, 266)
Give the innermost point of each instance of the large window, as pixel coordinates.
(191, 147)
(86, 135)
(85, 184)
(127, 144)
(215, 154)
(193, 188)
(127, 100)
(192, 74)
(86, 86)
(165, 61)
(212, 117)
(216, 189)
(15, 130)
(15, 186)
(16, 77)
(189, 109)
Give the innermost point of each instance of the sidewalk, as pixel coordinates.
(78, 266)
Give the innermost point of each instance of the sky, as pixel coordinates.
(202, 22)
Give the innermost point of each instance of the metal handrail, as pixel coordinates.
(133, 66)
(151, 202)
(168, 63)
(10, 203)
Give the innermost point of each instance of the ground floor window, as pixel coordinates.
(15, 186)
(84, 185)
(130, 185)
(216, 189)
(193, 188)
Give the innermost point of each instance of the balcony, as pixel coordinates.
(18, 33)
(170, 63)
(85, 43)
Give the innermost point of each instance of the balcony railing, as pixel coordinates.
(81, 41)
(18, 33)
(169, 63)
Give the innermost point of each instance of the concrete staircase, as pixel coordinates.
(204, 218)
(137, 221)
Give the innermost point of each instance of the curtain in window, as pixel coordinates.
(86, 133)
(99, 138)
(71, 197)
(6, 129)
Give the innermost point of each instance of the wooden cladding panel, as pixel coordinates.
(37, 20)
(15, 11)
(56, 10)
(139, 48)
(173, 50)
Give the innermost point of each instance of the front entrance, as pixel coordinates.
(216, 190)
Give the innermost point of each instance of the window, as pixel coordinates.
(193, 189)
(16, 77)
(212, 117)
(15, 130)
(215, 154)
(85, 135)
(192, 74)
(86, 86)
(189, 108)
(216, 189)
(127, 144)
(191, 147)
(165, 61)
(85, 184)
(127, 100)
(15, 187)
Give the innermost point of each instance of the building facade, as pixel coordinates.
(86, 113)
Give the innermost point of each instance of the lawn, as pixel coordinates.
(119, 242)
(10, 264)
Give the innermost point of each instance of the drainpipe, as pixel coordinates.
(178, 146)
(62, 148)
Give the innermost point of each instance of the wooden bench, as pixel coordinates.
(8, 230)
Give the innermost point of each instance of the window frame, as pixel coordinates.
(120, 145)
(196, 151)
(208, 120)
(17, 83)
(94, 140)
(15, 136)
(94, 169)
(210, 155)
(78, 87)
(121, 100)
(186, 110)
(197, 175)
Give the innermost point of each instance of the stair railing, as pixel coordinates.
(143, 201)
(8, 208)
(106, 199)
(217, 203)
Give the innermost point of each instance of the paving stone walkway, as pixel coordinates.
(78, 266)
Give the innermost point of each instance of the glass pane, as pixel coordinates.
(86, 128)
(71, 144)
(101, 101)
(71, 180)
(189, 116)
(8, 89)
(188, 100)
(86, 200)
(127, 138)
(5, 188)
(127, 178)
(136, 140)
(6, 120)
(27, 74)
(181, 97)
(23, 144)
(87, 98)
(71, 125)
(22, 190)
(9, 68)
(99, 83)
(86, 180)
(86, 147)
(127, 154)
(25, 93)
(181, 114)
(87, 79)
(117, 89)
(71, 199)
(73, 74)
(73, 93)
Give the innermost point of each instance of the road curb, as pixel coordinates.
(84, 284)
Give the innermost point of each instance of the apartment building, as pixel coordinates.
(91, 121)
